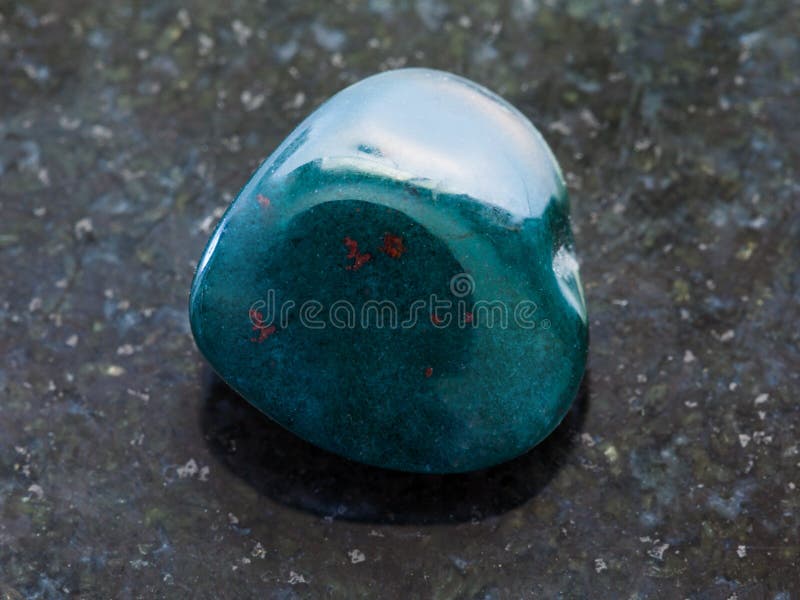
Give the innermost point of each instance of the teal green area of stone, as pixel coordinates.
(397, 283)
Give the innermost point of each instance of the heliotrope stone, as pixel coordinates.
(322, 296)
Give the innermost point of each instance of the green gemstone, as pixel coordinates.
(397, 282)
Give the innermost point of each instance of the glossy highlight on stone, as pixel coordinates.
(322, 296)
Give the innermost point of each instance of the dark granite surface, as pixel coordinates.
(127, 470)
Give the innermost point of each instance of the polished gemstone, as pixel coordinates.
(397, 282)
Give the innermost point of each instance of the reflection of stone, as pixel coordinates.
(385, 196)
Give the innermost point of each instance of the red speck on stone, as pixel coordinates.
(257, 319)
(393, 245)
(435, 319)
(352, 252)
(468, 317)
(428, 372)
(263, 201)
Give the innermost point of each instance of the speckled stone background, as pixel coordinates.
(127, 470)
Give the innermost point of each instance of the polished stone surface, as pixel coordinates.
(127, 470)
(424, 223)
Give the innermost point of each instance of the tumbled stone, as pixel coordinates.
(397, 283)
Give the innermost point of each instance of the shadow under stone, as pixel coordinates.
(289, 470)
